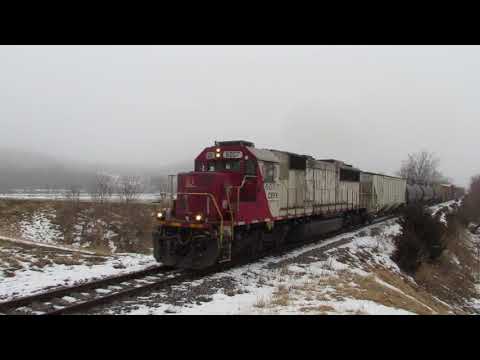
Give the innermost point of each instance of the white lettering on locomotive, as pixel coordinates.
(271, 191)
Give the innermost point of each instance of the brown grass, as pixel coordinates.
(451, 282)
(132, 223)
(14, 256)
(319, 310)
(281, 296)
(261, 302)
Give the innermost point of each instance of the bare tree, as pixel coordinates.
(130, 188)
(105, 185)
(72, 195)
(421, 167)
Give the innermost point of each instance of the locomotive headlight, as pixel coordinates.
(198, 217)
(217, 150)
(217, 155)
(160, 215)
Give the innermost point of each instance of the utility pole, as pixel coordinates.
(171, 185)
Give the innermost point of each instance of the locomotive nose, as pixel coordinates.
(201, 196)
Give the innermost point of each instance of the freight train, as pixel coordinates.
(241, 201)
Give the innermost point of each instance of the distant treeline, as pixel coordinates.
(24, 170)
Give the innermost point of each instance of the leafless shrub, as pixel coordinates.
(104, 187)
(73, 195)
(130, 188)
(422, 238)
(67, 213)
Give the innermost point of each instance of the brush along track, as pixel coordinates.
(79, 298)
(67, 297)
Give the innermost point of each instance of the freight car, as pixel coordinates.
(242, 200)
(431, 194)
(381, 193)
(444, 192)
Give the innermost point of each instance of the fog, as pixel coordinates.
(153, 106)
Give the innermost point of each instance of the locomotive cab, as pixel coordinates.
(208, 201)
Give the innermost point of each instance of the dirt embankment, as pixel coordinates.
(105, 228)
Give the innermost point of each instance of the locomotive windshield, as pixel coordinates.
(219, 165)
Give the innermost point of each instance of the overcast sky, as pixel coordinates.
(366, 105)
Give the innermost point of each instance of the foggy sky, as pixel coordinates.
(158, 105)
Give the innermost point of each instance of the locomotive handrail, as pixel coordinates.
(239, 187)
(216, 207)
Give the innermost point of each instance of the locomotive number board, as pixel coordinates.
(232, 154)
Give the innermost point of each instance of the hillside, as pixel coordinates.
(28, 170)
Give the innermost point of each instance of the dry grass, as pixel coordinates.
(261, 302)
(404, 294)
(14, 257)
(317, 310)
(130, 224)
(447, 280)
(281, 296)
(442, 287)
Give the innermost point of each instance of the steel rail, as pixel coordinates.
(11, 305)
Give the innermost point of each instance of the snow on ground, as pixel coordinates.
(28, 270)
(352, 273)
(348, 274)
(49, 245)
(304, 281)
(448, 204)
(40, 228)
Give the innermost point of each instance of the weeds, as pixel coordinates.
(422, 238)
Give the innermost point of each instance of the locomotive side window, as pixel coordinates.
(250, 168)
(349, 175)
(269, 173)
(199, 166)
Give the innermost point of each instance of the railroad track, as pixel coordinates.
(78, 297)
(83, 297)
